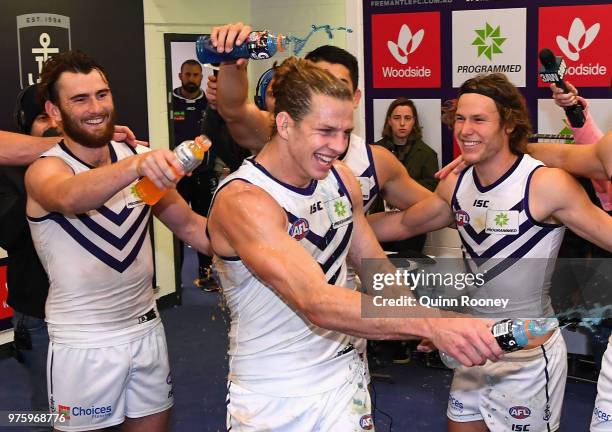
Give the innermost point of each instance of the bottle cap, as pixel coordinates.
(280, 47)
(203, 141)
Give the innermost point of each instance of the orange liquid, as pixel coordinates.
(148, 192)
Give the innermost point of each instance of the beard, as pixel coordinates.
(190, 87)
(73, 129)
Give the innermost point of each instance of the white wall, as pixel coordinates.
(175, 16)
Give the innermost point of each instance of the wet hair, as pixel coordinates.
(296, 80)
(69, 61)
(510, 104)
(335, 55)
(416, 132)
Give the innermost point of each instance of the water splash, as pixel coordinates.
(299, 43)
(588, 318)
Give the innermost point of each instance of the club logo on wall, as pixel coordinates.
(406, 44)
(581, 35)
(484, 43)
(578, 39)
(406, 50)
(489, 41)
(40, 36)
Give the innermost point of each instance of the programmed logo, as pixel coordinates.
(406, 50)
(487, 41)
(581, 35)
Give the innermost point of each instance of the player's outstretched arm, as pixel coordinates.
(554, 193)
(427, 215)
(246, 221)
(189, 226)
(400, 190)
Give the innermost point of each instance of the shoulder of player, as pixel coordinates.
(349, 180)
(446, 186)
(240, 200)
(551, 185)
(604, 153)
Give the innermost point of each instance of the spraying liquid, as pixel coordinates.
(299, 43)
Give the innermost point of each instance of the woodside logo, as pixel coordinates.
(578, 39)
(405, 50)
(407, 43)
(580, 34)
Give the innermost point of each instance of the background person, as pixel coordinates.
(188, 116)
(27, 281)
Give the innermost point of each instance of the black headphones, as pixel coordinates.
(27, 107)
(262, 86)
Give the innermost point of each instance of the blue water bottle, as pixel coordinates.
(512, 335)
(259, 45)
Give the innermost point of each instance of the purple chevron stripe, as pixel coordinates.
(116, 218)
(332, 280)
(519, 253)
(118, 242)
(88, 245)
(320, 242)
(344, 244)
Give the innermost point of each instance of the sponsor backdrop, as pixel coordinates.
(425, 49)
(111, 31)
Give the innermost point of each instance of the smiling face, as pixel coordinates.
(85, 108)
(316, 141)
(478, 129)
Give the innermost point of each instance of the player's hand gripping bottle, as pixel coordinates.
(259, 45)
(512, 335)
(190, 154)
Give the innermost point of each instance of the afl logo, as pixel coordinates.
(366, 422)
(298, 229)
(519, 412)
(461, 217)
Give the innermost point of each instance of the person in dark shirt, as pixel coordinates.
(402, 135)
(27, 281)
(188, 114)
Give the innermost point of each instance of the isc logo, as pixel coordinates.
(481, 203)
(521, 428)
(519, 412)
(315, 207)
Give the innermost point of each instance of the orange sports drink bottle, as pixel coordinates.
(190, 154)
